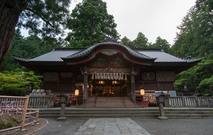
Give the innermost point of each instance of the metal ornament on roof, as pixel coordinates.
(109, 52)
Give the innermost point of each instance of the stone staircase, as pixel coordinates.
(90, 102)
(103, 107)
(128, 103)
(146, 112)
(109, 102)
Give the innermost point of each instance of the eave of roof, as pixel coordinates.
(21, 59)
(194, 60)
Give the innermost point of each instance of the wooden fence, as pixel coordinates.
(17, 105)
(189, 101)
(41, 101)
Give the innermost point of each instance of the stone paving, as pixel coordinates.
(73, 126)
(111, 126)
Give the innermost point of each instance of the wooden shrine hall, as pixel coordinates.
(107, 69)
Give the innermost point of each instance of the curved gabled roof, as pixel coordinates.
(75, 56)
(89, 50)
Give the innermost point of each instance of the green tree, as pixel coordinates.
(208, 4)
(194, 41)
(199, 77)
(195, 37)
(141, 41)
(44, 17)
(29, 47)
(90, 23)
(161, 44)
(127, 42)
(185, 39)
(15, 83)
(9, 63)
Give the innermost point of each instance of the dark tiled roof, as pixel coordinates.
(90, 49)
(55, 55)
(161, 56)
(71, 53)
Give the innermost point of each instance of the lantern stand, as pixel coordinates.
(142, 92)
(76, 95)
(63, 99)
(161, 100)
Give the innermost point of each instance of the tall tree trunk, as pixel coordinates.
(9, 15)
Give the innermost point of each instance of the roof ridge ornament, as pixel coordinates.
(109, 52)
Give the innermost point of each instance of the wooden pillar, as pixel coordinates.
(85, 94)
(133, 86)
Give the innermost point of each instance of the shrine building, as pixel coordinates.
(107, 69)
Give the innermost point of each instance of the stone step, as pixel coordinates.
(149, 112)
(109, 102)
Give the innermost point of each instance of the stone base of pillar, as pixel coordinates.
(61, 118)
(162, 118)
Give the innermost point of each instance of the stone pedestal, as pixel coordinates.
(162, 116)
(62, 116)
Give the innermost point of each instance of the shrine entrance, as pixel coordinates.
(109, 88)
(109, 81)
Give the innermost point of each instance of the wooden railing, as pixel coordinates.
(189, 101)
(17, 105)
(41, 101)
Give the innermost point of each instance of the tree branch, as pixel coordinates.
(47, 22)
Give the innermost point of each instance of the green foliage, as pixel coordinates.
(195, 37)
(195, 41)
(29, 47)
(127, 42)
(90, 24)
(16, 83)
(141, 41)
(161, 44)
(8, 121)
(199, 77)
(208, 4)
(44, 17)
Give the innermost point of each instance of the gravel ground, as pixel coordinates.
(30, 129)
(177, 126)
(65, 127)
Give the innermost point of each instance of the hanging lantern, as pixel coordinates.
(142, 91)
(76, 92)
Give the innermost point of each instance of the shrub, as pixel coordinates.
(16, 83)
(9, 120)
